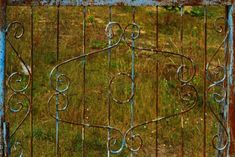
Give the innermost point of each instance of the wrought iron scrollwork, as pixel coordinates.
(188, 92)
(18, 148)
(110, 89)
(217, 77)
(18, 101)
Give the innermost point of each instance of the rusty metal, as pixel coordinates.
(128, 136)
(84, 81)
(205, 82)
(182, 62)
(23, 100)
(31, 85)
(128, 140)
(157, 82)
(219, 98)
(57, 78)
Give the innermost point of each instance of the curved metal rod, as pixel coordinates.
(217, 136)
(9, 80)
(16, 144)
(18, 92)
(20, 104)
(143, 49)
(122, 146)
(20, 27)
(161, 118)
(82, 57)
(111, 93)
(17, 73)
(65, 106)
(219, 28)
(219, 98)
(180, 69)
(209, 62)
(133, 35)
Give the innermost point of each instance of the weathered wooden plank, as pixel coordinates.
(120, 2)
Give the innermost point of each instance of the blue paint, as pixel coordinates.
(6, 137)
(2, 69)
(230, 70)
(132, 103)
(231, 52)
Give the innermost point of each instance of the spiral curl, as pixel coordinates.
(111, 92)
(191, 96)
(62, 83)
(19, 30)
(112, 141)
(17, 145)
(18, 80)
(219, 28)
(57, 96)
(133, 139)
(19, 107)
(181, 71)
(219, 98)
(134, 35)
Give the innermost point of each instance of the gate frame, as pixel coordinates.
(231, 70)
(3, 5)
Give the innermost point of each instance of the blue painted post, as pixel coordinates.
(2, 69)
(231, 83)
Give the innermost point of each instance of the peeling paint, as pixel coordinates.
(2, 63)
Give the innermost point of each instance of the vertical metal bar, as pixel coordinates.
(182, 52)
(226, 103)
(132, 103)
(157, 82)
(157, 104)
(7, 139)
(31, 90)
(231, 75)
(2, 69)
(205, 82)
(223, 108)
(109, 99)
(84, 81)
(110, 41)
(57, 59)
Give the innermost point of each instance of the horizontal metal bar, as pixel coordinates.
(119, 2)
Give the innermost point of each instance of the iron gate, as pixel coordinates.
(89, 99)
